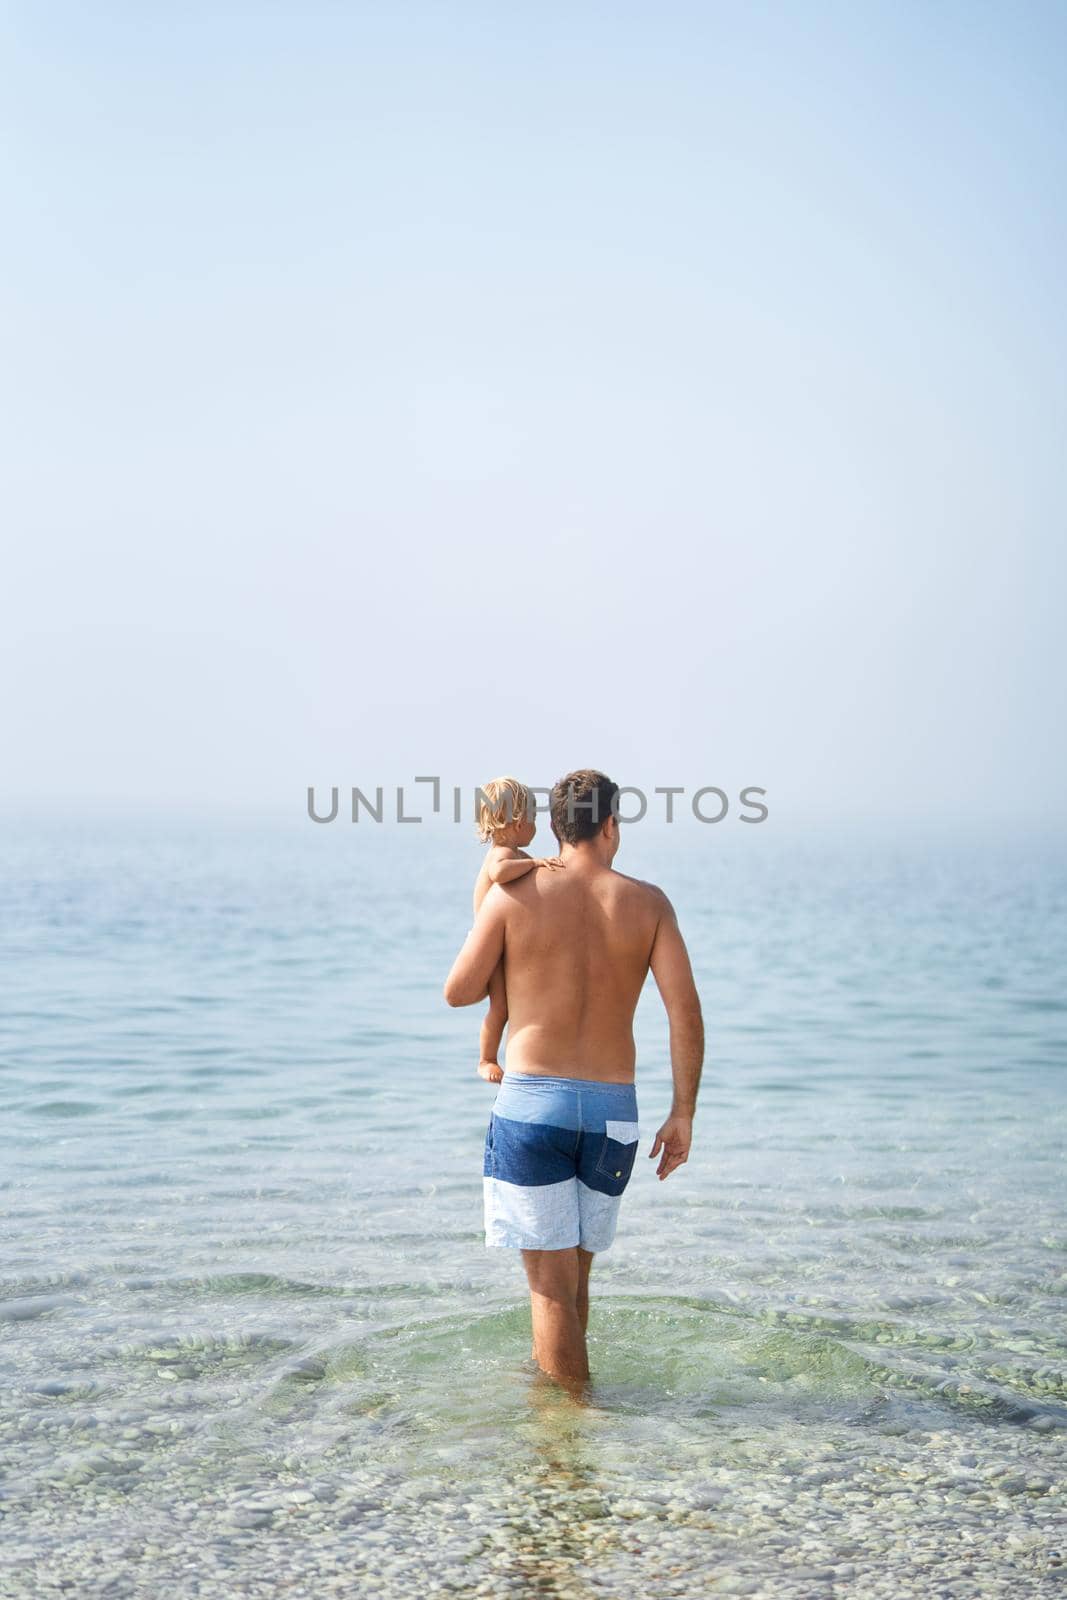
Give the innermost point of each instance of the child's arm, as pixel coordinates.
(504, 865)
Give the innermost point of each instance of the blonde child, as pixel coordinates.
(506, 823)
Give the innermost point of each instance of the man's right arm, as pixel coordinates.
(468, 982)
(671, 969)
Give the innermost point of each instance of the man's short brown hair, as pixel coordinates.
(580, 805)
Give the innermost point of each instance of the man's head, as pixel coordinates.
(583, 809)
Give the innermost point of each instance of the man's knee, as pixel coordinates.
(553, 1274)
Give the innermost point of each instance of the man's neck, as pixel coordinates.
(584, 857)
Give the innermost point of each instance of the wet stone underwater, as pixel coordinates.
(251, 1341)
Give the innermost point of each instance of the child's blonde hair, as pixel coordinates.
(504, 800)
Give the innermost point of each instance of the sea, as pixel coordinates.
(252, 1341)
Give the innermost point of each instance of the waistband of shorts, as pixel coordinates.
(540, 1078)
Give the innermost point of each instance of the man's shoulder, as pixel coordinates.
(641, 889)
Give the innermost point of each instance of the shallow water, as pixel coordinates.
(251, 1340)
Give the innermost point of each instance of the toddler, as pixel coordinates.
(505, 823)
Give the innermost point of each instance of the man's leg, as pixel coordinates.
(555, 1278)
(585, 1262)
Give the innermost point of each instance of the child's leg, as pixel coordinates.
(493, 1026)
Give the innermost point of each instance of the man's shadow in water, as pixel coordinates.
(566, 1513)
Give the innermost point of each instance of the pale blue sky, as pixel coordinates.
(460, 388)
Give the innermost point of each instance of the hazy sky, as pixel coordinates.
(457, 388)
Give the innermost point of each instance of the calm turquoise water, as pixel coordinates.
(251, 1340)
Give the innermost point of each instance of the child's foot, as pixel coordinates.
(490, 1071)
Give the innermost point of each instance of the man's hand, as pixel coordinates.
(674, 1138)
(490, 1071)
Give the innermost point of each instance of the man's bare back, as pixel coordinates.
(577, 948)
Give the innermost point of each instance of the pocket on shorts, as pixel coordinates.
(487, 1155)
(616, 1159)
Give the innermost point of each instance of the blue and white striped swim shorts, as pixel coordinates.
(558, 1155)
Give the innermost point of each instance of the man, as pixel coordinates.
(576, 947)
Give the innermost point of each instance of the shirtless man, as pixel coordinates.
(576, 947)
